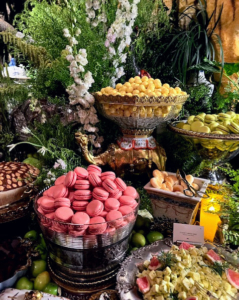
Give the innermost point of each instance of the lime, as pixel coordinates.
(154, 236)
(133, 249)
(139, 222)
(138, 240)
(141, 231)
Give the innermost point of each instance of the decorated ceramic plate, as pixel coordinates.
(126, 278)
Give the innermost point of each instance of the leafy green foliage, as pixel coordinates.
(219, 268)
(199, 100)
(167, 259)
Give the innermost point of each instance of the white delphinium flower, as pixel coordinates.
(88, 4)
(69, 49)
(47, 181)
(66, 33)
(26, 130)
(20, 35)
(69, 57)
(96, 4)
(73, 41)
(11, 147)
(91, 14)
(60, 163)
(78, 32)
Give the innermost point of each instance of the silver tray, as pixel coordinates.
(126, 277)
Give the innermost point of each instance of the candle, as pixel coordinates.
(209, 220)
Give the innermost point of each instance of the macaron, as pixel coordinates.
(47, 206)
(61, 228)
(62, 202)
(39, 200)
(126, 200)
(76, 233)
(100, 194)
(94, 208)
(82, 184)
(115, 218)
(71, 194)
(110, 230)
(97, 225)
(94, 179)
(39, 209)
(94, 169)
(64, 214)
(116, 194)
(82, 195)
(125, 210)
(50, 192)
(50, 216)
(109, 185)
(79, 205)
(81, 218)
(104, 213)
(60, 191)
(70, 179)
(112, 204)
(134, 204)
(121, 185)
(130, 191)
(60, 180)
(108, 175)
(234, 127)
(81, 173)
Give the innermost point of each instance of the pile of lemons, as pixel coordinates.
(142, 87)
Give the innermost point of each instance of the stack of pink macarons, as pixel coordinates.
(88, 202)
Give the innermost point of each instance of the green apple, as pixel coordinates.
(24, 284)
(51, 288)
(37, 267)
(31, 235)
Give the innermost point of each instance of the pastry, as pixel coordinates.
(112, 204)
(82, 184)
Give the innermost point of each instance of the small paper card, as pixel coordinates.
(188, 233)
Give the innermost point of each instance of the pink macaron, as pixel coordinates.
(82, 195)
(115, 218)
(50, 192)
(39, 200)
(116, 194)
(103, 214)
(97, 225)
(130, 191)
(71, 194)
(60, 180)
(94, 208)
(134, 204)
(121, 185)
(108, 175)
(100, 194)
(79, 205)
(62, 202)
(126, 200)
(39, 209)
(112, 204)
(82, 219)
(50, 216)
(64, 214)
(70, 179)
(81, 173)
(76, 233)
(60, 191)
(61, 228)
(48, 206)
(109, 186)
(82, 184)
(94, 179)
(125, 210)
(94, 169)
(110, 230)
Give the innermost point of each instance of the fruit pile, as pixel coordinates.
(37, 278)
(161, 180)
(141, 87)
(185, 271)
(89, 199)
(142, 235)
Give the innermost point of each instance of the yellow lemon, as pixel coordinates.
(172, 93)
(102, 91)
(114, 93)
(164, 90)
(166, 85)
(129, 94)
(137, 80)
(183, 93)
(135, 92)
(99, 93)
(141, 88)
(157, 83)
(145, 78)
(141, 94)
(122, 93)
(123, 89)
(127, 84)
(177, 89)
(151, 87)
(158, 94)
(152, 94)
(131, 80)
(145, 83)
(147, 92)
(118, 86)
(129, 89)
(135, 86)
(126, 113)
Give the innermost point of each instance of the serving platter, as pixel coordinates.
(126, 278)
